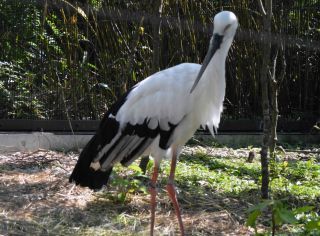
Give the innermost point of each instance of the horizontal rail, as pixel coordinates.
(244, 125)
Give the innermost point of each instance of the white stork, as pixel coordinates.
(159, 115)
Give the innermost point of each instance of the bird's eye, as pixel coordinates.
(226, 28)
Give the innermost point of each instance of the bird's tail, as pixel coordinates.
(83, 174)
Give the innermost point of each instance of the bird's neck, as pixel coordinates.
(211, 92)
(215, 72)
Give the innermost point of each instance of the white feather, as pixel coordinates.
(164, 98)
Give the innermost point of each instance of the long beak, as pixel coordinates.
(215, 43)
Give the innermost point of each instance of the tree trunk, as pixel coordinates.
(274, 90)
(264, 73)
(273, 101)
(156, 32)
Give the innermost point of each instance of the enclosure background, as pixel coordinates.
(73, 59)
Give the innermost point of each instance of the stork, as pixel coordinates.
(159, 115)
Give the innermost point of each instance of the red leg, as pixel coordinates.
(153, 192)
(172, 192)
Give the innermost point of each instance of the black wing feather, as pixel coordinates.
(108, 130)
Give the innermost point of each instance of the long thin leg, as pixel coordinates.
(153, 192)
(172, 192)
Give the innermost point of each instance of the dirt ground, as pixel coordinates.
(36, 199)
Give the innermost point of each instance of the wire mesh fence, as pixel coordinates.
(70, 59)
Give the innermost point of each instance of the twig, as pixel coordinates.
(34, 152)
(261, 7)
(70, 191)
(65, 108)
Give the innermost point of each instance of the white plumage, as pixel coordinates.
(159, 114)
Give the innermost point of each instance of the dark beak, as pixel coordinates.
(215, 43)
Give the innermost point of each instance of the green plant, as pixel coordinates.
(16, 98)
(131, 184)
(45, 41)
(309, 219)
(281, 214)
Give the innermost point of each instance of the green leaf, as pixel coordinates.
(303, 209)
(135, 168)
(121, 197)
(287, 216)
(276, 217)
(251, 221)
(313, 225)
(261, 206)
(134, 77)
(143, 189)
(150, 164)
(131, 190)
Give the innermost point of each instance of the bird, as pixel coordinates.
(158, 115)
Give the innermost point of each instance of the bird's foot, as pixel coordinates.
(172, 195)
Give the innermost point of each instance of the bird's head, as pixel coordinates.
(225, 25)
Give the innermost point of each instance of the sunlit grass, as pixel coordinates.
(210, 183)
(234, 176)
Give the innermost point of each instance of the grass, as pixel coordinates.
(216, 187)
(234, 176)
(202, 177)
